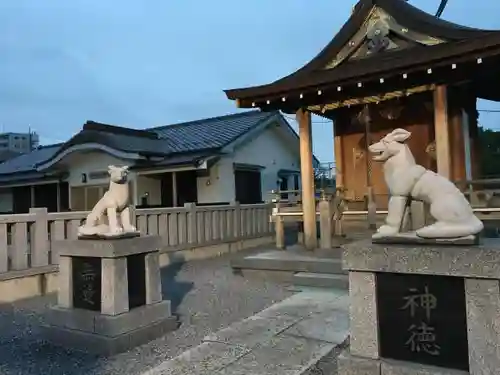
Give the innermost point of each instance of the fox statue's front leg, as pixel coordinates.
(395, 216)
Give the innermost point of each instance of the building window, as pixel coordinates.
(248, 186)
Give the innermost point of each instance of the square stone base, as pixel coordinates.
(97, 333)
(353, 365)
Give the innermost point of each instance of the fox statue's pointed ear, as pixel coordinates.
(400, 135)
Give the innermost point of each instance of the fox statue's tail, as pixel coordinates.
(443, 229)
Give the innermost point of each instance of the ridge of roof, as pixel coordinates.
(210, 119)
(59, 144)
(423, 20)
(115, 129)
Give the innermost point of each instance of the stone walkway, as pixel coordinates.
(205, 294)
(301, 335)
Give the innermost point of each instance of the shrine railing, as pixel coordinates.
(26, 239)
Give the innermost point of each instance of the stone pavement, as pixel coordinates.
(205, 294)
(301, 335)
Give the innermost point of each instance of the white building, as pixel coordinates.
(18, 142)
(239, 157)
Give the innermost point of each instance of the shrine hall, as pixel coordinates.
(390, 66)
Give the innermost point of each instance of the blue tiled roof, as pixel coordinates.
(27, 162)
(209, 133)
(195, 136)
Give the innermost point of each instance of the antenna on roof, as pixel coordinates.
(441, 7)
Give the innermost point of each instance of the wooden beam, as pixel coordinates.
(307, 175)
(442, 133)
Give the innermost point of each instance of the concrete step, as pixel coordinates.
(302, 335)
(321, 280)
(288, 262)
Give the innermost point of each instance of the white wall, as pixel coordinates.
(268, 150)
(149, 185)
(219, 185)
(271, 151)
(97, 161)
(87, 162)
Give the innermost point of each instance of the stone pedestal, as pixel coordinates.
(423, 309)
(109, 297)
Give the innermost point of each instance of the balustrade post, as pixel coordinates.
(279, 227)
(39, 238)
(133, 217)
(325, 222)
(237, 220)
(192, 228)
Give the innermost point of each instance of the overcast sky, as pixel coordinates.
(154, 62)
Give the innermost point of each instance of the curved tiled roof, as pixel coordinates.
(28, 162)
(165, 141)
(209, 133)
(459, 40)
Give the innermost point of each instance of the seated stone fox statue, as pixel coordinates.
(114, 205)
(407, 180)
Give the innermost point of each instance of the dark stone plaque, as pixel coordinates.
(136, 270)
(423, 319)
(87, 283)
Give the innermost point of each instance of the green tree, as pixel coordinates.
(489, 152)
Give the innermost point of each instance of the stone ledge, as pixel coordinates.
(105, 345)
(17, 274)
(353, 365)
(108, 248)
(207, 358)
(482, 261)
(108, 325)
(194, 246)
(392, 367)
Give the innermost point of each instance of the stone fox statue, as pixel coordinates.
(114, 203)
(407, 180)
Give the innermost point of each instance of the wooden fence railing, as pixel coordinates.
(26, 239)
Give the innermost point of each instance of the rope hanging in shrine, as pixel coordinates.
(371, 99)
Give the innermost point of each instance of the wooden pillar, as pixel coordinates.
(467, 145)
(457, 143)
(174, 189)
(58, 198)
(70, 201)
(135, 196)
(307, 176)
(32, 196)
(441, 128)
(339, 161)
